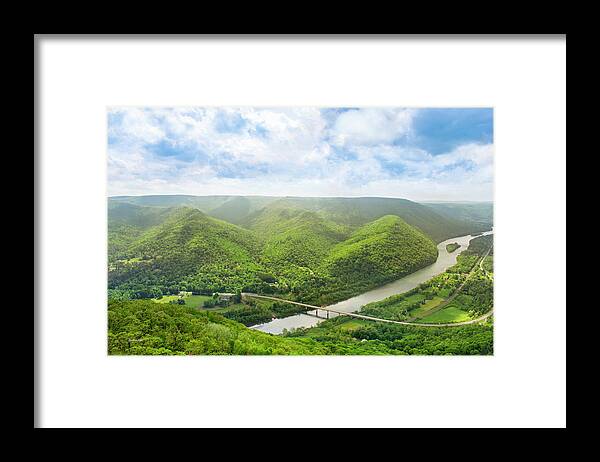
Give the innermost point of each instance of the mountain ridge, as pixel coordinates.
(286, 250)
(438, 221)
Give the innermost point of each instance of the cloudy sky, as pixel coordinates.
(418, 154)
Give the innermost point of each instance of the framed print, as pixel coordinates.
(347, 231)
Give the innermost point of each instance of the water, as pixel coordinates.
(444, 261)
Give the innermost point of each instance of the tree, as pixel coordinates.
(237, 298)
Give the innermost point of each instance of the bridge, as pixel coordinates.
(362, 316)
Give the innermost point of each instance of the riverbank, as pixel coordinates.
(444, 261)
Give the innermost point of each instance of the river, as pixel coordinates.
(444, 261)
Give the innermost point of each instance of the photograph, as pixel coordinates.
(300, 230)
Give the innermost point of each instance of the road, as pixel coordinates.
(481, 262)
(371, 318)
(446, 302)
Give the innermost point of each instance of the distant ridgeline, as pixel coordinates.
(320, 250)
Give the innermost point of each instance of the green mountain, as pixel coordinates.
(288, 251)
(438, 221)
(126, 223)
(203, 203)
(319, 250)
(228, 208)
(295, 235)
(386, 249)
(295, 243)
(123, 213)
(234, 210)
(187, 251)
(190, 235)
(357, 211)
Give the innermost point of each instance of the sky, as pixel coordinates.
(416, 154)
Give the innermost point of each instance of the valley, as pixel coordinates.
(405, 299)
(386, 257)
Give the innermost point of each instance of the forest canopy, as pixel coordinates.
(298, 253)
(171, 256)
(142, 327)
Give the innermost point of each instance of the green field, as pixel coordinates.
(196, 301)
(353, 324)
(395, 307)
(427, 306)
(193, 301)
(448, 314)
(166, 299)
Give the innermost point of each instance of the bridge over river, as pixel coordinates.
(362, 316)
(351, 307)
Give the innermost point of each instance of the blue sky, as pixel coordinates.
(418, 154)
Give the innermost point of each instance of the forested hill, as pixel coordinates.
(373, 249)
(142, 327)
(295, 236)
(357, 211)
(146, 262)
(438, 221)
(285, 250)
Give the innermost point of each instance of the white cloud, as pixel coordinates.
(137, 125)
(289, 152)
(371, 126)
